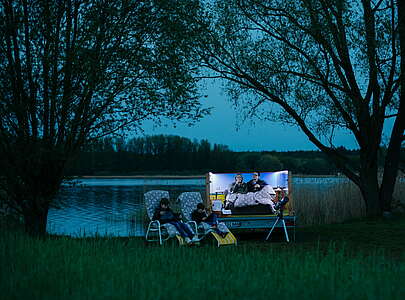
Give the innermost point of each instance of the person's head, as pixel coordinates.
(279, 192)
(164, 203)
(239, 177)
(200, 207)
(256, 175)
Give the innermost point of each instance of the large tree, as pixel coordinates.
(323, 65)
(75, 70)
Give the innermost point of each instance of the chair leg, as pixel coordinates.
(147, 233)
(160, 237)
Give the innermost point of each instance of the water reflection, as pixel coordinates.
(114, 207)
(109, 207)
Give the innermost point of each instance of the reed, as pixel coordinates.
(317, 203)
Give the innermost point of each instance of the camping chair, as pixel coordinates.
(156, 231)
(188, 202)
(152, 200)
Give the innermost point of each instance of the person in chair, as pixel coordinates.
(201, 215)
(164, 214)
(255, 184)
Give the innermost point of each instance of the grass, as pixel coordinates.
(362, 259)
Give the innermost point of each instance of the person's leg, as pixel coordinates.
(187, 230)
(179, 228)
(212, 219)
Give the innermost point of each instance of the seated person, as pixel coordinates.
(255, 184)
(238, 186)
(165, 215)
(200, 215)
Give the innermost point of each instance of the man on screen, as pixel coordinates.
(255, 184)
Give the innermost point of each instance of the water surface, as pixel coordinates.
(110, 207)
(114, 207)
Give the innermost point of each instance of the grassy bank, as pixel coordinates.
(357, 260)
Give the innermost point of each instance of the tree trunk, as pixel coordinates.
(369, 186)
(35, 221)
(370, 192)
(394, 148)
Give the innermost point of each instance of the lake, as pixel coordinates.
(114, 206)
(110, 207)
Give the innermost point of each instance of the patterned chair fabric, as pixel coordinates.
(152, 200)
(188, 202)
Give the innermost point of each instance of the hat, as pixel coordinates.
(278, 189)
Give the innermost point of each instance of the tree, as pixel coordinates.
(75, 70)
(322, 65)
(269, 162)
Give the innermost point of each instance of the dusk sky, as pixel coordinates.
(220, 127)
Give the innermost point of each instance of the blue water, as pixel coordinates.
(110, 207)
(114, 207)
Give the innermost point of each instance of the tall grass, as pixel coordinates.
(317, 203)
(66, 268)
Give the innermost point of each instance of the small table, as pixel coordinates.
(256, 221)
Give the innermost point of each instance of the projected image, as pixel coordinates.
(248, 192)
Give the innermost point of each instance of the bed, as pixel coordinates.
(257, 203)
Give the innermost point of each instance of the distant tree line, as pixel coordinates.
(170, 154)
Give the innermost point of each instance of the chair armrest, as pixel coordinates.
(154, 222)
(194, 223)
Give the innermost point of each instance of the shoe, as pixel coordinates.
(188, 240)
(195, 239)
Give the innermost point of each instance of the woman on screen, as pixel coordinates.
(238, 186)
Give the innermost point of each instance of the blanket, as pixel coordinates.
(264, 196)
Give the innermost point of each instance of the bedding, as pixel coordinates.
(265, 197)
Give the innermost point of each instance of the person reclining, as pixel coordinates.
(200, 215)
(164, 215)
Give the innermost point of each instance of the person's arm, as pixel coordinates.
(249, 186)
(194, 216)
(204, 215)
(244, 189)
(156, 215)
(174, 217)
(231, 188)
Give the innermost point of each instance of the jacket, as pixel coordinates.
(166, 217)
(251, 185)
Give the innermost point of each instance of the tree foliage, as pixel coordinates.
(321, 65)
(76, 70)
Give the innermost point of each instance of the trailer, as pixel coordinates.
(217, 192)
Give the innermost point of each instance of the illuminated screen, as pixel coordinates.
(220, 182)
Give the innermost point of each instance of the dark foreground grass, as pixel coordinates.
(360, 260)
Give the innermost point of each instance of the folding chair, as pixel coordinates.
(188, 203)
(156, 232)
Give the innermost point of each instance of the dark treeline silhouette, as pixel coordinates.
(169, 154)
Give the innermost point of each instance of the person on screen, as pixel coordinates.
(255, 184)
(164, 215)
(238, 186)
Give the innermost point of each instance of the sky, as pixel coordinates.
(220, 128)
